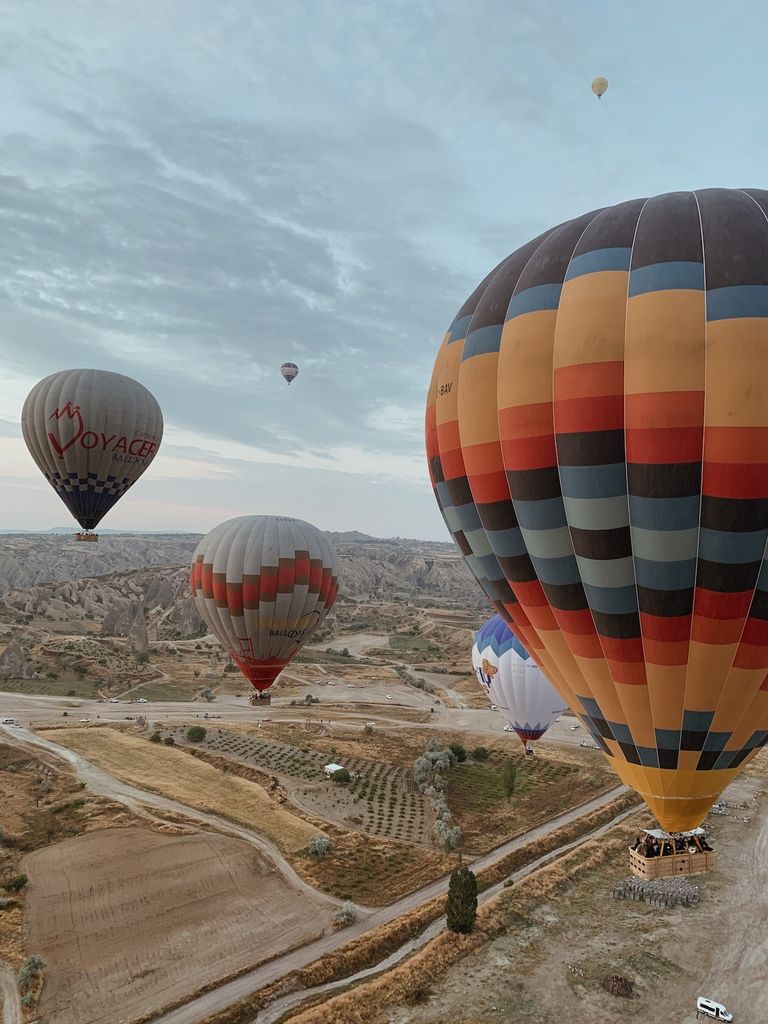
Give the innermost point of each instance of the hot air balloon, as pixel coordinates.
(513, 681)
(92, 433)
(599, 86)
(289, 371)
(264, 584)
(597, 436)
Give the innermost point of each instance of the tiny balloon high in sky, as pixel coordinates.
(597, 436)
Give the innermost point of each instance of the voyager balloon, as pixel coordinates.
(597, 436)
(599, 86)
(92, 433)
(513, 681)
(264, 584)
(289, 371)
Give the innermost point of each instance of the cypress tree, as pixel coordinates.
(461, 908)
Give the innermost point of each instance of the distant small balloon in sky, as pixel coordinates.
(289, 371)
(599, 86)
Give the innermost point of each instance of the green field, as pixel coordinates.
(411, 643)
(66, 687)
(480, 787)
(165, 690)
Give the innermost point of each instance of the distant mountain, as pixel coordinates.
(54, 577)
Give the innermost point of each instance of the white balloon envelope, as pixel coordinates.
(513, 681)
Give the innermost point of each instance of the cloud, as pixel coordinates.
(191, 193)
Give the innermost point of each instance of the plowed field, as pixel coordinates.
(128, 920)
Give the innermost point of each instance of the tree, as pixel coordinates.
(142, 657)
(342, 775)
(196, 733)
(509, 773)
(155, 738)
(461, 907)
(169, 741)
(481, 753)
(319, 846)
(368, 728)
(458, 751)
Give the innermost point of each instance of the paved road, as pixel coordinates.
(103, 784)
(196, 1011)
(9, 991)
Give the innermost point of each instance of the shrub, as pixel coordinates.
(367, 728)
(155, 738)
(461, 906)
(345, 915)
(28, 971)
(458, 751)
(15, 883)
(341, 776)
(481, 753)
(320, 846)
(169, 741)
(196, 733)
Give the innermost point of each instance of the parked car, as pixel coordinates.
(142, 700)
(712, 1009)
(85, 721)
(114, 700)
(9, 721)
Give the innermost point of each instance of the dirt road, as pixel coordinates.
(276, 1010)
(211, 1002)
(738, 975)
(9, 992)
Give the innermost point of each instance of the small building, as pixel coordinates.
(662, 855)
(331, 769)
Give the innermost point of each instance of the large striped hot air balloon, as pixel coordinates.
(264, 584)
(597, 435)
(513, 681)
(92, 433)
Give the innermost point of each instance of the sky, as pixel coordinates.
(192, 193)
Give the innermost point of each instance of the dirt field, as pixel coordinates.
(177, 774)
(42, 803)
(128, 920)
(718, 948)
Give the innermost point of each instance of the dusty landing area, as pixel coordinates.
(128, 920)
(548, 967)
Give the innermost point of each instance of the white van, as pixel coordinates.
(712, 1009)
(9, 721)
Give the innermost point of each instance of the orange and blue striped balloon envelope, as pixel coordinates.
(597, 437)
